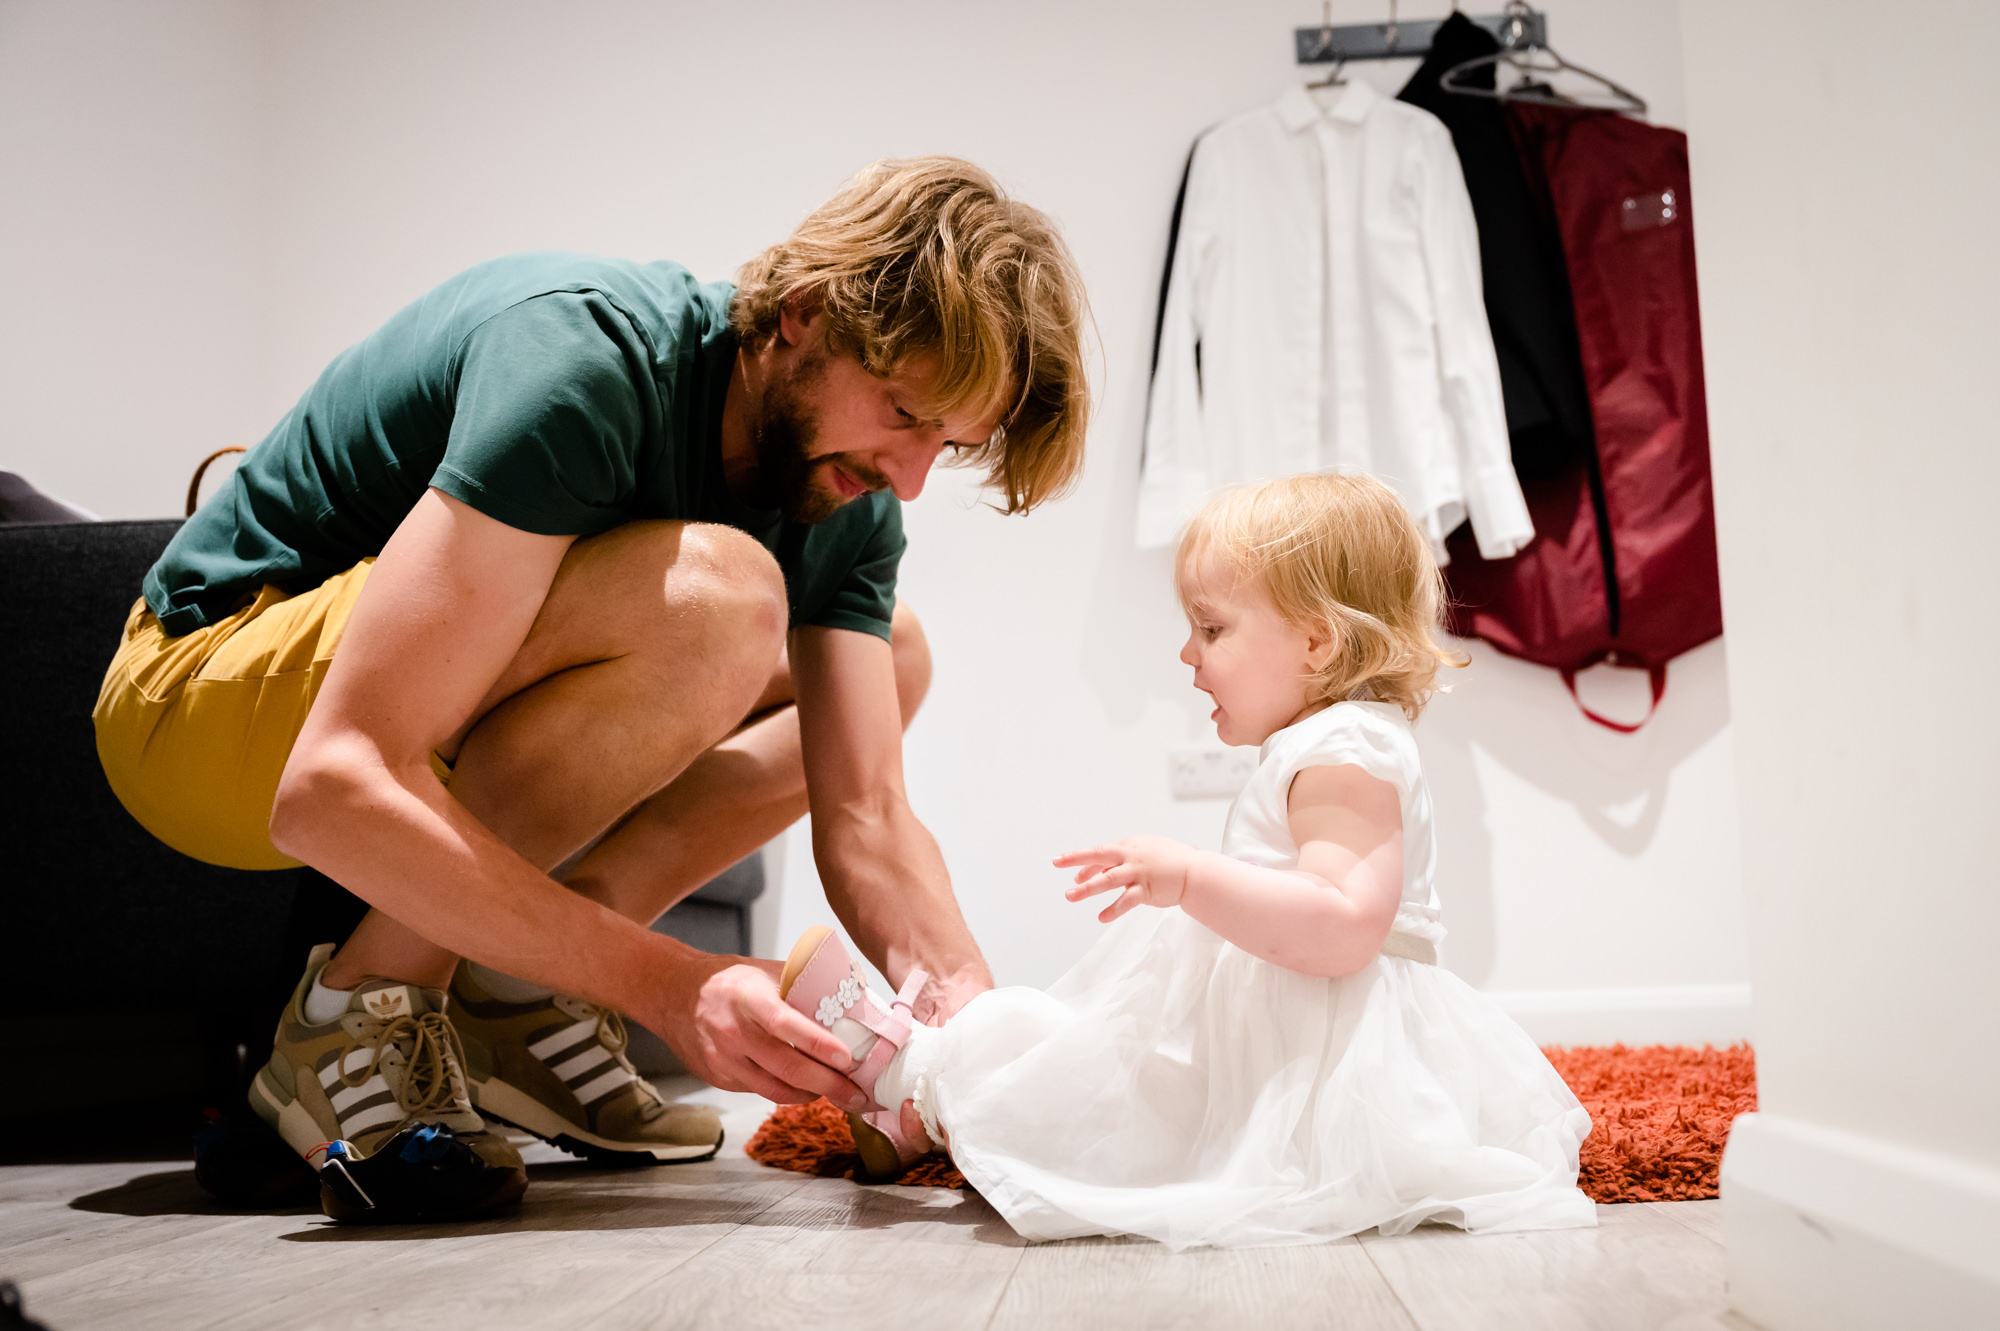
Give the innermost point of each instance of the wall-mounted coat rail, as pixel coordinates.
(1393, 40)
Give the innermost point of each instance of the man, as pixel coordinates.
(580, 562)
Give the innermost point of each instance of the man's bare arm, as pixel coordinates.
(447, 607)
(885, 877)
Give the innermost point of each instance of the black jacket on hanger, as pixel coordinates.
(1521, 259)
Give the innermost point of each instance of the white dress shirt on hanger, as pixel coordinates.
(1327, 276)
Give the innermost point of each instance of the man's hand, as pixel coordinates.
(946, 994)
(729, 1027)
(1144, 870)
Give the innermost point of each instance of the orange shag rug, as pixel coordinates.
(1660, 1115)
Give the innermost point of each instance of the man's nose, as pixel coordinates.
(908, 466)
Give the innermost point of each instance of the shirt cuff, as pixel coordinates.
(1500, 521)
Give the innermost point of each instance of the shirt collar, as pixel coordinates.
(1296, 108)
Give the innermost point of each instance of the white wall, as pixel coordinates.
(1845, 174)
(1591, 879)
(129, 140)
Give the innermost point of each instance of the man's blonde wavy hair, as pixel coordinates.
(928, 254)
(1339, 552)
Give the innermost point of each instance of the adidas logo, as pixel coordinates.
(387, 1004)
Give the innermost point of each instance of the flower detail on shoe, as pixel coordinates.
(835, 1005)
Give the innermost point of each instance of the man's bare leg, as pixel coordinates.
(634, 667)
(732, 799)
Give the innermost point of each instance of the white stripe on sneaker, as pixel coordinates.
(348, 1096)
(550, 1045)
(570, 1069)
(389, 1112)
(357, 1060)
(592, 1091)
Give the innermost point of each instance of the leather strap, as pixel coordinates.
(194, 486)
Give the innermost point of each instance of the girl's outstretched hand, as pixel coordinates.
(1144, 870)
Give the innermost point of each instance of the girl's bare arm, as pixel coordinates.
(1328, 917)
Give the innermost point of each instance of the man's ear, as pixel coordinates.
(798, 318)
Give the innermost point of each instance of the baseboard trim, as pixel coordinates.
(1717, 1014)
(1827, 1230)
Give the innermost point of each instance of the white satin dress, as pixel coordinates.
(1173, 1086)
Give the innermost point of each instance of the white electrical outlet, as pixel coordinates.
(1210, 774)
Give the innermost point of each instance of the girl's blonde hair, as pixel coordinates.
(1338, 552)
(929, 255)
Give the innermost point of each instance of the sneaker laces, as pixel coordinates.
(431, 1082)
(611, 1033)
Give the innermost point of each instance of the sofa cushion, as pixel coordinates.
(91, 899)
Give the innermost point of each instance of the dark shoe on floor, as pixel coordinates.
(387, 1066)
(424, 1172)
(556, 1067)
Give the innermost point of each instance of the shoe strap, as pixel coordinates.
(892, 1030)
(889, 1122)
(893, 1024)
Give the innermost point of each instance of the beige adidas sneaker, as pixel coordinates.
(389, 1063)
(556, 1067)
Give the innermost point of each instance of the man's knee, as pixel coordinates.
(721, 600)
(739, 574)
(912, 653)
(719, 581)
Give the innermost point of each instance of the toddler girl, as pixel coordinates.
(1262, 1048)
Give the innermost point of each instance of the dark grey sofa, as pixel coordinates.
(129, 972)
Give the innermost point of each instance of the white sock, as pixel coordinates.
(908, 1078)
(505, 987)
(324, 1004)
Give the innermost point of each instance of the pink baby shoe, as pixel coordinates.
(820, 980)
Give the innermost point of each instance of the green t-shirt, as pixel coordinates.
(558, 393)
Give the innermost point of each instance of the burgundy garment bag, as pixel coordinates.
(1622, 567)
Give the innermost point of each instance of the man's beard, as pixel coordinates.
(786, 431)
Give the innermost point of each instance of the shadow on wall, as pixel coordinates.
(1521, 719)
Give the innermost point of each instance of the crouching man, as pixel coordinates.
(582, 562)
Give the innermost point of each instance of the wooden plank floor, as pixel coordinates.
(730, 1244)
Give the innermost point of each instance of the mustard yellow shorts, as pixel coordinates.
(194, 731)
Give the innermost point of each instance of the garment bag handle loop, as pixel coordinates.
(1656, 675)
